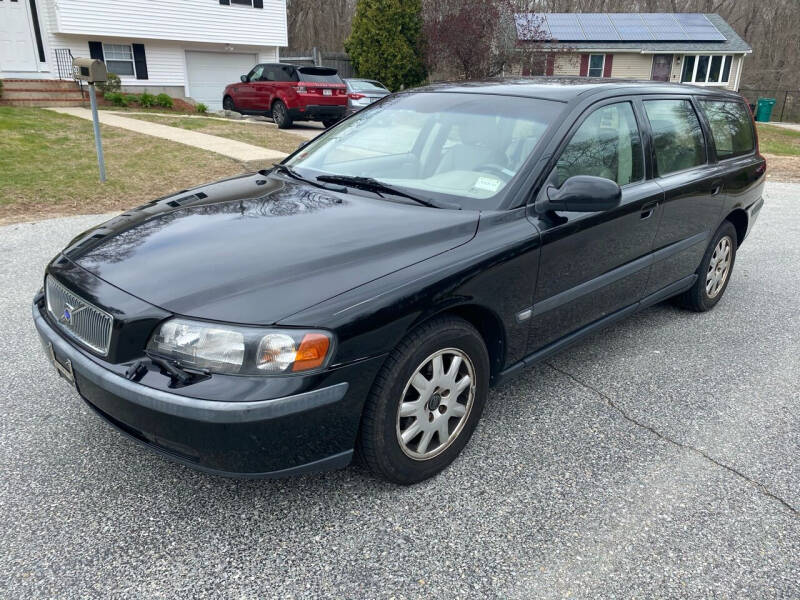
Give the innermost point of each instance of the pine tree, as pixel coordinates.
(385, 43)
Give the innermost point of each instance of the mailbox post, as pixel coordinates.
(93, 71)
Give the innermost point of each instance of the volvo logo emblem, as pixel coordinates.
(69, 312)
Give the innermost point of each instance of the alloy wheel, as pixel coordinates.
(435, 404)
(719, 267)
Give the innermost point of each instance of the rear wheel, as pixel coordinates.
(227, 103)
(280, 114)
(329, 122)
(714, 272)
(425, 402)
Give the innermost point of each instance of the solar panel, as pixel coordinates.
(699, 28)
(565, 27)
(612, 27)
(598, 27)
(630, 27)
(664, 27)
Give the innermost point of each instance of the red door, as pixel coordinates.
(662, 67)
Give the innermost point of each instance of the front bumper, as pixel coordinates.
(312, 430)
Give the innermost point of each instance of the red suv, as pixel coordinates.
(289, 93)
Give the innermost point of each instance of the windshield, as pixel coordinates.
(461, 148)
(360, 85)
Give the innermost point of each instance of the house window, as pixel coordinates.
(243, 2)
(596, 64)
(119, 59)
(706, 69)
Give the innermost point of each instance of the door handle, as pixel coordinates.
(716, 190)
(648, 210)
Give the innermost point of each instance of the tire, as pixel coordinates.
(280, 114)
(439, 407)
(329, 122)
(714, 273)
(228, 104)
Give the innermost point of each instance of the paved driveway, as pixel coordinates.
(657, 458)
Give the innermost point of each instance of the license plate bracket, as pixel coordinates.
(63, 369)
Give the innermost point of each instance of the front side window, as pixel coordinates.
(731, 127)
(607, 144)
(119, 59)
(460, 148)
(596, 64)
(706, 69)
(257, 74)
(677, 136)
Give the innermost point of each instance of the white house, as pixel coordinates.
(186, 48)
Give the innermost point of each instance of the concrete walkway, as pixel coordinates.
(230, 148)
(792, 126)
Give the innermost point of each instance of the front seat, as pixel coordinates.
(477, 148)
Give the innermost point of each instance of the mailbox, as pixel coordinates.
(89, 69)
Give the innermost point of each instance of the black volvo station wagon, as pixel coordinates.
(364, 294)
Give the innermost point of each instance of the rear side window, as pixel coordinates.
(319, 75)
(731, 127)
(677, 136)
(607, 144)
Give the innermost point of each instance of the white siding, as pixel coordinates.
(632, 66)
(185, 20)
(166, 61)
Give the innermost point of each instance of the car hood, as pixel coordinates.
(258, 248)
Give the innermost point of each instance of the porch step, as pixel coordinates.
(39, 84)
(41, 92)
(41, 102)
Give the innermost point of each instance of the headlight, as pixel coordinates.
(240, 350)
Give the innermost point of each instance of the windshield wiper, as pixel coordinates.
(295, 175)
(373, 185)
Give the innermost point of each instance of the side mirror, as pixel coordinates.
(582, 193)
(243, 78)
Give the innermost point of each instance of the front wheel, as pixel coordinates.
(425, 402)
(714, 272)
(280, 114)
(228, 104)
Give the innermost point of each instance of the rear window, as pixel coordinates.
(319, 75)
(677, 136)
(731, 127)
(366, 86)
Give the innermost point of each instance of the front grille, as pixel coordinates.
(78, 318)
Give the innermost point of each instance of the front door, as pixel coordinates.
(662, 67)
(17, 44)
(594, 264)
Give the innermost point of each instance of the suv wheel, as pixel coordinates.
(227, 103)
(280, 114)
(329, 122)
(425, 402)
(714, 272)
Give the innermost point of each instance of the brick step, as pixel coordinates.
(42, 90)
(43, 102)
(44, 94)
(48, 84)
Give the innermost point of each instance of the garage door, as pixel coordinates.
(210, 72)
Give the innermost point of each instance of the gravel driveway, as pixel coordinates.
(656, 458)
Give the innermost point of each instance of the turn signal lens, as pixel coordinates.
(312, 352)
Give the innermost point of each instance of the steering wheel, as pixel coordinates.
(495, 169)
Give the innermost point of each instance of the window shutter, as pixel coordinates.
(96, 50)
(140, 61)
(225, 2)
(584, 65)
(258, 3)
(549, 64)
(607, 66)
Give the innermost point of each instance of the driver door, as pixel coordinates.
(594, 264)
(246, 97)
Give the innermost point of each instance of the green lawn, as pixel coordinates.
(48, 166)
(251, 133)
(778, 140)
